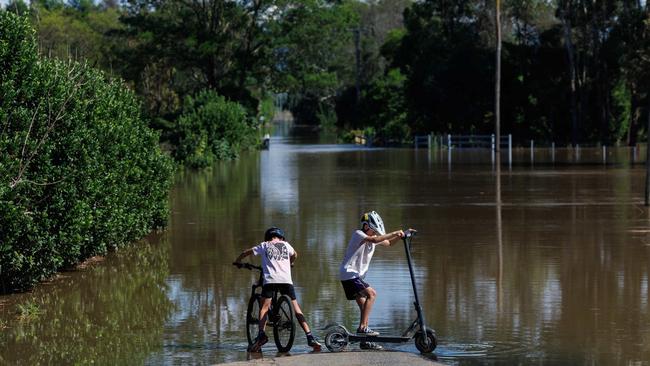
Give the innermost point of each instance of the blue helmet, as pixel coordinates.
(273, 232)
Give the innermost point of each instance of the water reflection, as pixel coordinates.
(112, 313)
(278, 180)
(499, 235)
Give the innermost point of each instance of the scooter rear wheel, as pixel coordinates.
(425, 345)
(336, 338)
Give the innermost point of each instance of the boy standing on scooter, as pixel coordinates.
(355, 265)
(277, 258)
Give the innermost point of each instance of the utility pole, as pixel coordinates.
(497, 120)
(647, 162)
(497, 80)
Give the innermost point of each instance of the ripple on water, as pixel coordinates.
(491, 350)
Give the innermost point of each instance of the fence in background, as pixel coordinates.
(531, 152)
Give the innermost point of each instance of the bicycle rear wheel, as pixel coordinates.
(284, 330)
(253, 318)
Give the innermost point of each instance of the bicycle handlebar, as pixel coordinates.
(247, 266)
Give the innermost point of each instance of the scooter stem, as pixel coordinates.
(418, 308)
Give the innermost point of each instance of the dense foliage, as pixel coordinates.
(313, 57)
(573, 71)
(79, 170)
(211, 128)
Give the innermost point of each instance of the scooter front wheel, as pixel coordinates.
(336, 338)
(425, 345)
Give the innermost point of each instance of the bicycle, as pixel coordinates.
(280, 316)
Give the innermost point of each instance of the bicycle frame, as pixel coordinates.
(278, 319)
(257, 284)
(271, 315)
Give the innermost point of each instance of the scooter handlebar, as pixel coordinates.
(409, 233)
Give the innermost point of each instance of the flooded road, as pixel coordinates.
(556, 274)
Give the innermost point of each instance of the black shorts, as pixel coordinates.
(282, 288)
(353, 287)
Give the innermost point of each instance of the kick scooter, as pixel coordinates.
(337, 336)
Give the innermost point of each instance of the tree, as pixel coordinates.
(448, 68)
(215, 44)
(18, 7)
(497, 88)
(313, 55)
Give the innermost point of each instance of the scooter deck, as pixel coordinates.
(387, 339)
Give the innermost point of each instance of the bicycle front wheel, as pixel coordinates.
(253, 318)
(284, 330)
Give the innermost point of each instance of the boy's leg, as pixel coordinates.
(365, 299)
(300, 316)
(361, 302)
(311, 341)
(264, 313)
(261, 335)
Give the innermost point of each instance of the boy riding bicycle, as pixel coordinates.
(354, 267)
(277, 258)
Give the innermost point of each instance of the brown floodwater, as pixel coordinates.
(557, 274)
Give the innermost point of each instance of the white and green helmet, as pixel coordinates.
(374, 221)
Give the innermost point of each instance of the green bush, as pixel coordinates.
(211, 128)
(79, 170)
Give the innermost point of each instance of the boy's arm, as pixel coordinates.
(385, 240)
(292, 258)
(244, 254)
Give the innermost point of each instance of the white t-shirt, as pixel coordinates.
(275, 261)
(357, 257)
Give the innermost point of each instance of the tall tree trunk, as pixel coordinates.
(582, 97)
(210, 73)
(647, 159)
(497, 115)
(634, 117)
(568, 44)
(605, 105)
(602, 112)
(357, 64)
(599, 14)
(497, 83)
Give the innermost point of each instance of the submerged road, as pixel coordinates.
(360, 358)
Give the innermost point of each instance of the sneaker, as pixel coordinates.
(370, 346)
(366, 331)
(313, 343)
(259, 342)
